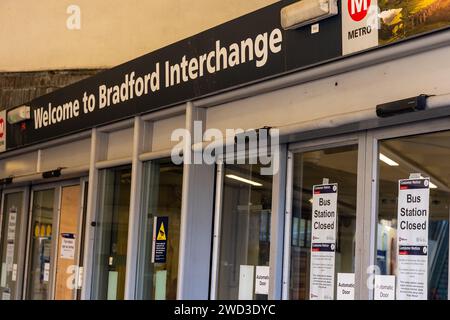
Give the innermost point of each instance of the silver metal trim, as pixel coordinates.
(106, 164)
(277, 226)
(361, 219)
(134, 211)
(165, 113)
(217, 228)
(97, 151)
(117, 126)
(288, 225)
(148, 156)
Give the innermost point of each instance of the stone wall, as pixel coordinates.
(17, 88)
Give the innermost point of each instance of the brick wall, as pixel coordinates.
(17, 88)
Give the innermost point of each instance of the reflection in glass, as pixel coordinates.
(339, 165)
(39, 270)
(110, 252)
(428, 155)
(162, 189)
(9, 243)
(245, 230)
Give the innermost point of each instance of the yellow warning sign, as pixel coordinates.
(42, 233)
(37, 230)
(48, 230)
(161, 233)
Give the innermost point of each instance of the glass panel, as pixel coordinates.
(428, 155)
(68, 243)
(111, 237)
(9, 245)
(162, 189)
(340, 166)
(39, 270)
(245, 232)
(82, 233)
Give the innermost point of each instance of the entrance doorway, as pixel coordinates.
(242, 243)
(12, 242)
(111, 237)
(55, 240)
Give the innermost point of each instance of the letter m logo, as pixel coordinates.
(358, 9)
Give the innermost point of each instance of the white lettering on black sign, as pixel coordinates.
(256, 50)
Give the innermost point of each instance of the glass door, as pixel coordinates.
(160, 230)
(111, 236)
(413, 208)
(13, 221)
(70, 242)
(321, 237)
(55, 241)
(242, 242)
(41, 247)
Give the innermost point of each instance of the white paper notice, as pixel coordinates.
(80, 277)
(246, 276)
(68, 246)
(323, 241)
(262, 280)
(346, 286)
(46, 271)
(412, 239)
(12, 224)
(9, 256)
(6, 296)
(14, 273)
(3, 276)
(384, 288)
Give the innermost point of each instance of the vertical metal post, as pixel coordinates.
(135, 210)
(196, 219)
(277, 226)
(98, 152)
(288, 225)
(217, 228)
(360, 261)
(367, 231)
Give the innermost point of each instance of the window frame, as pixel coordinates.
(358, 139)
(374, 137)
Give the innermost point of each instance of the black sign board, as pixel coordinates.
(243, 51)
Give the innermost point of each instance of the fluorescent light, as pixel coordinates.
(388, 161)
(253, 183)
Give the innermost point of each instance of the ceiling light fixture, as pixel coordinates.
(253, 183)
(388, 161)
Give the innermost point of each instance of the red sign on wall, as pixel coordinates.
(358, 9)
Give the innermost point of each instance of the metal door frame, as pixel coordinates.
(57, 187)
(23, 236)
(371, 209)
(276, 223)
(358, 139)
